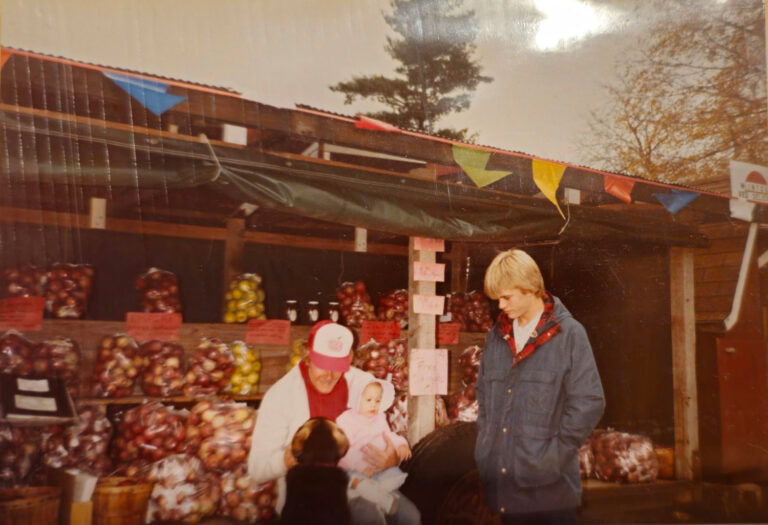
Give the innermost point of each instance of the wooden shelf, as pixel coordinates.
(136, 400)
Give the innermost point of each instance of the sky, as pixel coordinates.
(549, 58)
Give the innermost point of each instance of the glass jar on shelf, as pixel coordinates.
(313, 312)
(333, 311)
(292, 310)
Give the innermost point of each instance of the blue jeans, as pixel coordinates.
(365, 512)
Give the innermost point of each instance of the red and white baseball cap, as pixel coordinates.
(329, 346)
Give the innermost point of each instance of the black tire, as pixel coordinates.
(439, 461)
(465, 504)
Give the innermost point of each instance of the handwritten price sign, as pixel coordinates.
(424, 271)
(22, 313)
(429, 304)
(427, 244)
(428, 372)
(380, 331)
(268, 331)
(146, 326)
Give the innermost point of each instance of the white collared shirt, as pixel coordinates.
(525, 332)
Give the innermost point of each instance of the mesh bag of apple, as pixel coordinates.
(394, 307)
(623, 457)
(56, 357)
(245, 500)
(472, 310)
(82, 445)
(17, 354)
(163, 368)
(119, 364)
(219, 433)
(244, 299)
(183, 492)
(462, 405)
(245, 378)
(390, 362)
(148, 433)
(586, 460)
(68, 289)
(19, 451)
(210, 368)
(354, 303)
(23, 280)
(159, 291)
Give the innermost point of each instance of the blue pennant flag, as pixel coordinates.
(150, 93)
(675, 201)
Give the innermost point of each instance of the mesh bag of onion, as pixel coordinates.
(622, 457)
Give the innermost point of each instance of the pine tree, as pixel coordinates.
(437, 71)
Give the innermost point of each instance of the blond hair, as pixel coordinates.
(513, 269)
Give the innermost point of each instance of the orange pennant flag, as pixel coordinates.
(619, 187)
(4, 56)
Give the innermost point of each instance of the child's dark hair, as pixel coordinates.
(319, 441)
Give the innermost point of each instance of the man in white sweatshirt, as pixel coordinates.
(318, 387)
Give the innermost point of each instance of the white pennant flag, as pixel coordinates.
(748, 181)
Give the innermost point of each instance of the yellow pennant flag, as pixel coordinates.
(547, 177)
(473, 162)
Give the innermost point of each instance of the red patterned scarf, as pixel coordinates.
(545, 330)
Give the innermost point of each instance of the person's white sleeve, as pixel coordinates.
(265, 460)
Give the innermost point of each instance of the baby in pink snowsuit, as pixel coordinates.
(365, 423)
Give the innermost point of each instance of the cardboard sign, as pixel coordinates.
(448, 333)
(268, 331)
(380, 331)
(429, 304)
(22, 313)
(427, 244)
(144, 326)
(424, 271)
(428, 372)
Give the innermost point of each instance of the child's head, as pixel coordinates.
(370, 399)
(319, 441)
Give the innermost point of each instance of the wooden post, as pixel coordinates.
(687, 459)
(421, 334)
(459, 253)
(234, 244)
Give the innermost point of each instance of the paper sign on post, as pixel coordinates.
(448, 333)
(424, 271)
(429, 304)
(22, 313)
(428, 244)
(144, 326)
(268, 331)
(428, 372)
(380, 331)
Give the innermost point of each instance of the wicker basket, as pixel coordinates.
(120, 501)
(30, 506)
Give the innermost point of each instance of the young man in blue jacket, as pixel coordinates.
(539, 396)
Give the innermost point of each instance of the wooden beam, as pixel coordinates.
(421, 334)
(459, 253)
(687, 459)
(234, 246)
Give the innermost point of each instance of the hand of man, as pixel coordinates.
(381, 459)
(288, 458)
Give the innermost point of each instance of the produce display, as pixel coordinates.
(462, 405)
(245, 299)
(354, 303)
(82, 445)
(397, 415)
(385, 361)
(23, 280)
(68, 290)
(223, 432)
(149, 432)
(183, 492)
(299, 350)
(623, 457)
(586, 460)
(245, 500)
(16, 353)
(210, 368)
(394, 307)
(59, 357)
(118, 365)
(472, 310)
(159, 291)
(245, 378)
(163, 373)
(19, 449)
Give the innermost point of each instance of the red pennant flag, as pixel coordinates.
(619, 187)
(364, 122)
(4, 56)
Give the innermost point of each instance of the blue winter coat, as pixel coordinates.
(534, 416)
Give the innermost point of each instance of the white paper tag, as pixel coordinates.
(39, 404)
(32, 385)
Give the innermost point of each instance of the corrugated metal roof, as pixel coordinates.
(93, 65)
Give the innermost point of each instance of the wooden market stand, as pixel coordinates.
(63, 104)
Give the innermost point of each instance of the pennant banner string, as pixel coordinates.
(151, 94)
(473, 162)
(547, 176)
